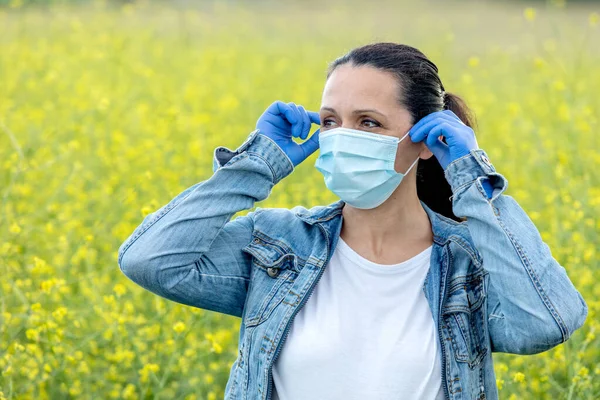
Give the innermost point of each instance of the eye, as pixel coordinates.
(370, 121)
(326, 121)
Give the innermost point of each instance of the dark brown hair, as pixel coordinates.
(421, 93)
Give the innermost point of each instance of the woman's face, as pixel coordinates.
(366, 99)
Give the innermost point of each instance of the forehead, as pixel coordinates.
(358, 87)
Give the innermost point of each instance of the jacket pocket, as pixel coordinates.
(464, 315)
(274, 269)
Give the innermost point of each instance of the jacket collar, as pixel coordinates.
(320, 213)
(443, 228)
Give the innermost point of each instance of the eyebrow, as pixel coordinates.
(355, 111)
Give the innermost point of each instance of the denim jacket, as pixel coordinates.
(492, 285)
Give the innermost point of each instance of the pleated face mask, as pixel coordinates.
(358, 166)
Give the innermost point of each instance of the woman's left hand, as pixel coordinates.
(459, 137)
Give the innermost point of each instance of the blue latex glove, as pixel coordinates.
(282, 121)
(460, 139)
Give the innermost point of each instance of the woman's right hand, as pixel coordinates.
(282, 121)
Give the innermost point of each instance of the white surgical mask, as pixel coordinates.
(358, 166)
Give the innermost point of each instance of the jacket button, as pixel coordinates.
(486, 160)
(273, 272)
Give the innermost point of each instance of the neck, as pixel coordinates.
(400, 224)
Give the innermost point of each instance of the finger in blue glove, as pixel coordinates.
(281, 121)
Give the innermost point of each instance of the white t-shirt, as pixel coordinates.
(366, 332)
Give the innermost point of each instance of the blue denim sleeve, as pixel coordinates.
(189, 250)
(532, 304)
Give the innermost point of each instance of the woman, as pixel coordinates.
(403, 288)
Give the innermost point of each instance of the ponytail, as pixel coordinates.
(458, 106)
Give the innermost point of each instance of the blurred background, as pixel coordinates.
(110, 109)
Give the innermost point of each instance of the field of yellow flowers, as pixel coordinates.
(107, 111)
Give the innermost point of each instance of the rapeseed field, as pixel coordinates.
(109, 110)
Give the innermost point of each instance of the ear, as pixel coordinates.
(425, 153)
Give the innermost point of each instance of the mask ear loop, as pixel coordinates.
(413, 164)
(403, 137)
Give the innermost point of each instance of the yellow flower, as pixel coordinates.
(502, 367)
(559, 86)
(110, 299)
(75, 388)
(179, 327)
(590, 336)
(146, 370)
(14, 228)
(594, 18)
(120, 289)
(519, 377)
(217, 348)
(529, 13)
(129, 392)
(59, 313)
(499, 383)
(514, 109)
(32, 334)
(473, 62)
(153, 367)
